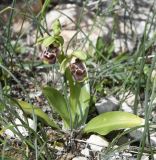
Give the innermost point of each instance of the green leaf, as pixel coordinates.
(45, 7)
(79, 102)
(107, 122)
(59, 39)
(79, 54)
(2, 106)
(56, 27)
(40, 40)
(100, 46)
(48, 41)
(121, 58)
(29, 109)
(64, 65)
(58, 102)
(111, 48)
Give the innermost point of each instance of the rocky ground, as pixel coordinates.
(81, 26)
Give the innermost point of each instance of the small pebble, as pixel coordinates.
(80, 158)
(97, 143)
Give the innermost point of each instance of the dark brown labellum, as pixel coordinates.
(50, 54)
(78, 70)
(49, 57)
(54, 49)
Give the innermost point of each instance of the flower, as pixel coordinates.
(78, 70)
(50, 54)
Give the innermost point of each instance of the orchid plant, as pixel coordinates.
(73, 104)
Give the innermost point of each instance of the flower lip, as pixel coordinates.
(49, 57)
(50, 54)
(53, 49)
(78, 70)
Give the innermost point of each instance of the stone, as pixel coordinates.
(35, 94)
(91, 27)
(107, 104)
(153, 139)
(87, 32)
(121, 47)
(144, 157)
(112, 104)
(24, 27)
(85, 152)
(20, 127)
(79, 158)
(128, 98)
(153, 77)
(69, 156)
(126, 154)
(137, 134)
(68, 15)
(97, 143)
(126, 108)
(114, 156)
(129, 25)
(9, 133)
